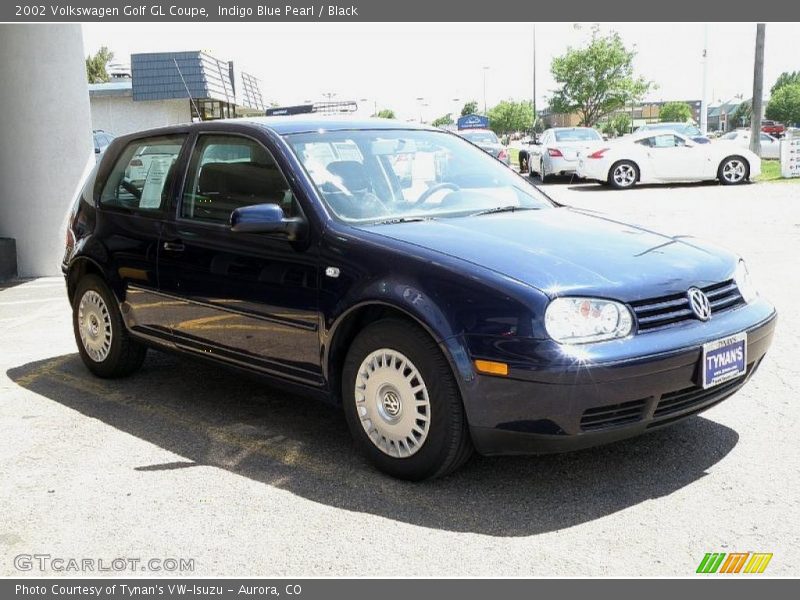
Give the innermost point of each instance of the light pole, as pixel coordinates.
(484, 89)
(455, 109)
(421, 101)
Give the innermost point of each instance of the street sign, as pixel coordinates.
(790, 153)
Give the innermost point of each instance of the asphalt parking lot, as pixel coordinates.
(184, 460)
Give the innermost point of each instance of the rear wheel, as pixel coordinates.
(402, 403)
(733, 170)
(543, 175)
(104, 343)
(623, 175)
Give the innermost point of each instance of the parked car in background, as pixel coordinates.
(102, 139)
(656, 157)
(487, 141)
(463, 311)
(558, 148)
(770, 147)
(140, 164)
(686, 129)
(772, 128)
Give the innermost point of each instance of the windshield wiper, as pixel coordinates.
(501, 209)
(394, 220)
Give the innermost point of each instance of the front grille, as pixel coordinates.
(696, 396)
(655, 313)
(612, 415)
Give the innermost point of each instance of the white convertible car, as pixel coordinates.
(666, 157)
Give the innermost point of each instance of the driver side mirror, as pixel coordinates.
(266, 218)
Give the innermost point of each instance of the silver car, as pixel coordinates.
(487, 141)
(558, 149)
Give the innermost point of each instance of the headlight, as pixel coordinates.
(583, 320)
(743, 281)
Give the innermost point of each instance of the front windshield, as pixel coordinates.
(372, 176)
(577, 135)
(480, 137)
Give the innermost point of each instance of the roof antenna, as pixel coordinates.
(186, 87)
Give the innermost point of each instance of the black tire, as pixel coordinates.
(543, 175)
(617, 182)
(448, 444)
(741, 178)
(125, 355)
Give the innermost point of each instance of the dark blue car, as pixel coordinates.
(442, 300)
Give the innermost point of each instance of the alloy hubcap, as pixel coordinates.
(624, 175)
(392, 403)
(94, 326)
(733, 171)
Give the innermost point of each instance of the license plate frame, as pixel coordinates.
(723, 360)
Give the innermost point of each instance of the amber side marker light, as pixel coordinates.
(491, 368)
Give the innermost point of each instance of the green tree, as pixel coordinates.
(443, 120)
(96, 65)
(741, 115)
(470, 108)
(597, 79)
(675, 112)
(617, 125)
(785, 78)
(784, 106)
(509, 116)
(386, 113)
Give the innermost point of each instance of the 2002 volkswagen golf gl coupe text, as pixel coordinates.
(405, 274)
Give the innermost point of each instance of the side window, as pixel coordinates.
(665, 141)
(228, 172)
(141, 176)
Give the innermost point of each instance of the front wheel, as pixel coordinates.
(733, 170)
(104, 343)
(402, 403)
(623, 175)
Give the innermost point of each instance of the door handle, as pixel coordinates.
(174, 246)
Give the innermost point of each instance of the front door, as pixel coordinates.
(672, 158)
(245, 298)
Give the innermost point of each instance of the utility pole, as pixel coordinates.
(704, 102)
(758, 90)
(533, 125)
(484, 90)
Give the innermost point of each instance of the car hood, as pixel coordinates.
(562, 250)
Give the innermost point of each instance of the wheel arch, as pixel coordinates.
(347, 326)
(78, 268)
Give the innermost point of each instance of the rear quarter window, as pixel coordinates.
(141, 177)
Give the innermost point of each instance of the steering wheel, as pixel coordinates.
(432, 190)
(131, 189)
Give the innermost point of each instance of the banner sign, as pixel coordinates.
(473, 122)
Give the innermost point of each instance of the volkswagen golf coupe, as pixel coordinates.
(401, 272)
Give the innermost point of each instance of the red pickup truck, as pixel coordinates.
(773, 128)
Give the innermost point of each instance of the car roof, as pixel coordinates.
(569, 128)
(287, 125)
(283, 125)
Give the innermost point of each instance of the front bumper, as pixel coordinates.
(562, 408)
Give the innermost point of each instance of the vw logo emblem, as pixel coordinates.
(699, 303)
(391, 403)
